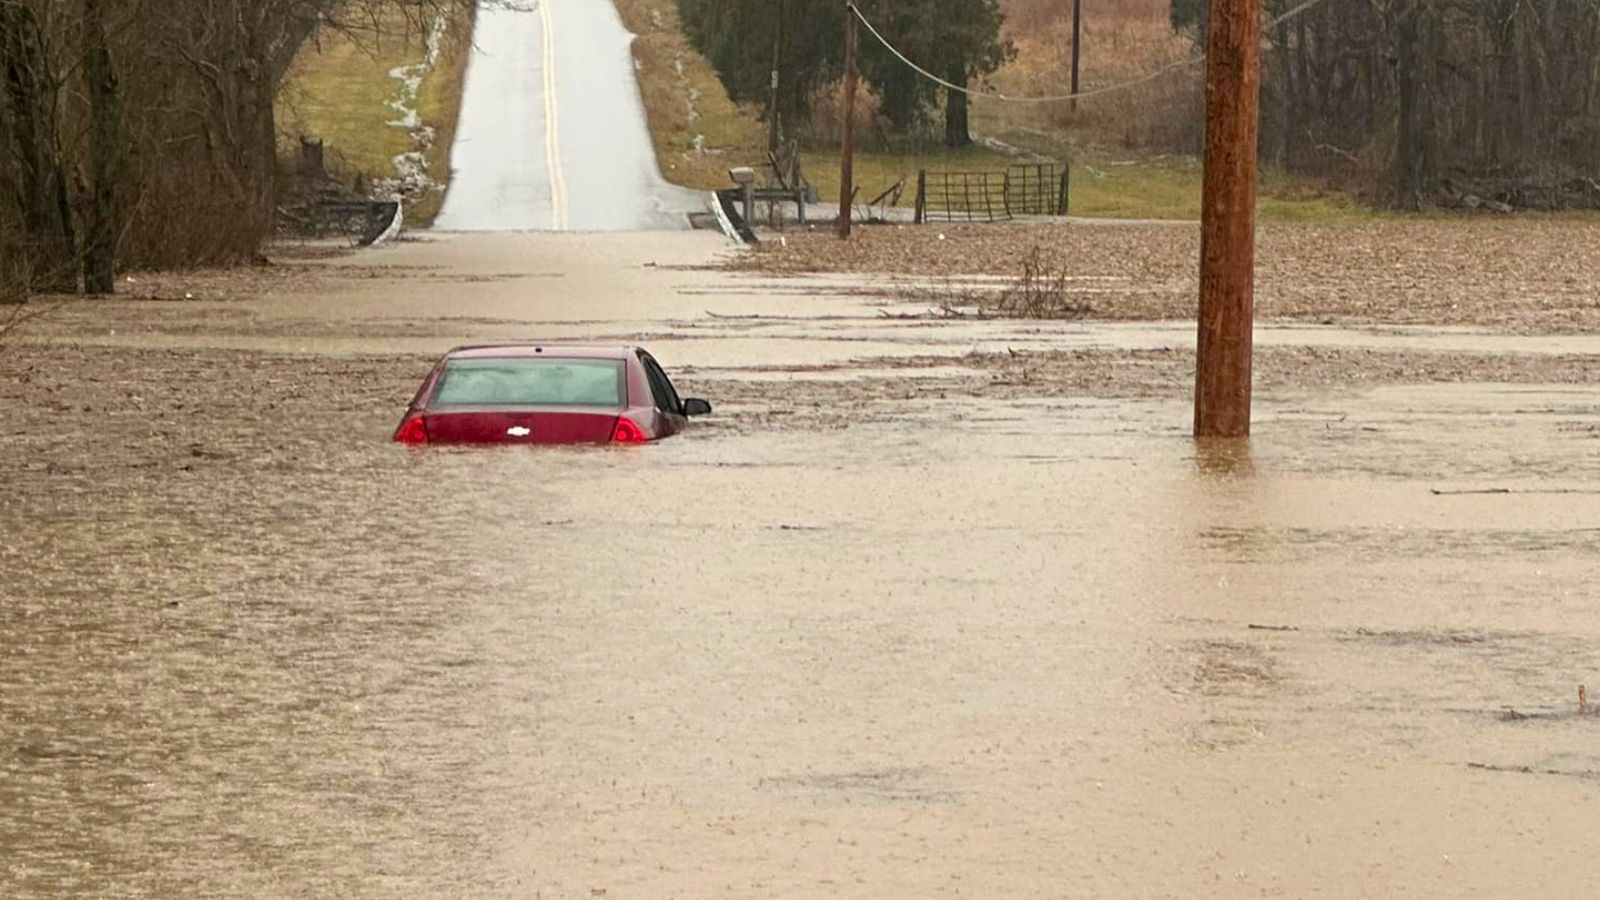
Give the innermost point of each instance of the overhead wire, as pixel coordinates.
(1107, 89)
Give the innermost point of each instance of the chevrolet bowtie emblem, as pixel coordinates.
(518, 431)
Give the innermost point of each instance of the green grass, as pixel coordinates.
(1100, 189)
(873, 173)
(439, 105)
(698, 132)
(1110, 181)
(1170, 189)
(339, 90)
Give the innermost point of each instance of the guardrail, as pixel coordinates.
(365, 221)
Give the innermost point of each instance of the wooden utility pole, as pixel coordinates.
(847, 155)
(773, 132)
(1228, 220)
(1077, 37)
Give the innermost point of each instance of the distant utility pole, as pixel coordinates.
(847, 154)
(1077, 36)
(777, 66)
(1228, 220)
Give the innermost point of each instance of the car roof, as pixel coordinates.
(554, 349)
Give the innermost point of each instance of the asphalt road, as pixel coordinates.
(552, 135)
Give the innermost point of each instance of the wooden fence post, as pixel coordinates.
(847, 151)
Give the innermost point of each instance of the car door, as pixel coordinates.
(669, 407)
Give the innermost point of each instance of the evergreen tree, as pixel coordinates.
(738, 36)
(957, 39)
(973, 48)
(904, 96)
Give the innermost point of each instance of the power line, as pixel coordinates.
(1111, 88)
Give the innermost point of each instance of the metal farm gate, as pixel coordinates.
(961, 196)
(1034, 189)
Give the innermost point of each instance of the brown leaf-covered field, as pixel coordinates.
(1531, 275)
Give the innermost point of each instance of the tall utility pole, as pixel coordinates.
(1228, 220)
(847, 155)
(777, 66)
(1077, 37)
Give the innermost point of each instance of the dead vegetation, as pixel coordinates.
(1121, 42)
(374, 115)
(698, 132)
(14, 315)
(1045, 289)
(1520, 274)
(1409, 105)
(144, 135)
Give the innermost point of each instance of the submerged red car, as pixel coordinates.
(546, 394)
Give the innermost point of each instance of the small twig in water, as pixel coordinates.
(1444, 492)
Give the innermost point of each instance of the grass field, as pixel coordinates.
(340, 89)
(699, 133)
(1100, 188)
(1170, 189)
(439, 105)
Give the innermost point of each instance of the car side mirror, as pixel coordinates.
(694, 406)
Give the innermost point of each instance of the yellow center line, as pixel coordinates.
(552, 133)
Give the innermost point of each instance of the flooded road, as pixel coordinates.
(845, 639)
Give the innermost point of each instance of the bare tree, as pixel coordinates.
(1499, 96)
(105, 153)
(37, 241)
(142, 133)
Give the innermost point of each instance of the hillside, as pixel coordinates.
(344, 91)
(384, 104)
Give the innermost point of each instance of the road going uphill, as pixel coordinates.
(552, 135)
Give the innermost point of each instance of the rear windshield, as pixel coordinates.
(520, 381)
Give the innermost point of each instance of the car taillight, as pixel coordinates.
(626, 432)
(411, 431)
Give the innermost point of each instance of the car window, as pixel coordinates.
(660, 385)
(658, 394)
(517, 381)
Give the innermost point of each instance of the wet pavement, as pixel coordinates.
(551, 110)
(844, 639)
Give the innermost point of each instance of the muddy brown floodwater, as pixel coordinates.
(898, 621)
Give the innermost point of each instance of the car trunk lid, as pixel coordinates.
(498, 426)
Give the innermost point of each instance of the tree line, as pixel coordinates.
(1436, 98)
(142, 133)
(1412, 101)
(747, 41)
